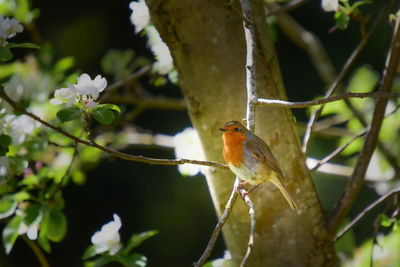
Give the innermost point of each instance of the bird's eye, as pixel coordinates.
(236, 129)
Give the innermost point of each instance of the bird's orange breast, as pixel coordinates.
(233, 148)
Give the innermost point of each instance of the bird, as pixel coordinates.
(250, 158)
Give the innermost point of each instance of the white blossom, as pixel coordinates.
(330, 5)
(164, 62)
(86, 91)
(18, 127)
(140, 17)
(108, 238)
(8, 29)
(30, 230)
(187, 145)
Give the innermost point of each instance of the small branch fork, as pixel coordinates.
(363, 213)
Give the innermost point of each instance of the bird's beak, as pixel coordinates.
(223, 130)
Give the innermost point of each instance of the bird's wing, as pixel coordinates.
(258, 149)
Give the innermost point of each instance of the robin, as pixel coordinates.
(251, 160)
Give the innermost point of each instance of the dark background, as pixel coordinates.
(157, 197)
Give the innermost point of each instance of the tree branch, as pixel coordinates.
(322, 101)
(365, 211)
(337, 151)
(111, 151)
(218, 227)
(357, 179)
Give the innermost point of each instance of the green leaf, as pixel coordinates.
(137, 239)
(133, 260)
(31, 213)
(10, 233)
(7, 207)
(101, 261)
(89, 252)
(55, 225)
(43, 241)
(68, 114)
(23, 45)
(103, 115)
(30, 180)
(342, 20)
(110, 106)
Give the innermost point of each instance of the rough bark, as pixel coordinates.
(207, 43)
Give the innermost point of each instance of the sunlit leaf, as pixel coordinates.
(23, 45)
(137, 239)
(7, 207)
(54, 224)
(10, 233)
(103, 115)
(89, 252)
(42, 239)
(110, 106)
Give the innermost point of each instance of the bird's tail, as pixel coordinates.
(277, 182)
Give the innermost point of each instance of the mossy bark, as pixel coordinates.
(206, 39)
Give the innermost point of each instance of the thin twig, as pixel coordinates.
(111, 151)
(337, 151)
(38, 252)
(218, 227)
(133, 77)
(322, 101)
(357, 179)
(365, 211)
(377, 225)
(252, 214)
(249, 31)
(346, 67)
(288, 7)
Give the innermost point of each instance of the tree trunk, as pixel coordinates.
(206, 39)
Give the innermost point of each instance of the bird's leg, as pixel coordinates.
(240, 186)
(248, 192)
